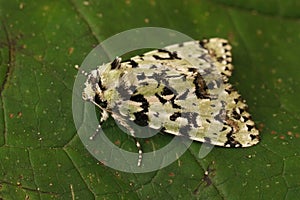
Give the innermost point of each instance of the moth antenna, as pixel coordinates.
(96, 132)
(81, 70)
(97, 104)
(76, 67)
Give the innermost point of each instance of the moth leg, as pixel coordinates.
(103, 118)
(140, 157)
(220, 51)
(131, 131)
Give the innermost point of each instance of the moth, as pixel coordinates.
(182, 89)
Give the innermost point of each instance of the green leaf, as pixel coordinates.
(42, 157)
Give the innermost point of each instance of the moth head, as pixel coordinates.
(95, 86)
(91, 86)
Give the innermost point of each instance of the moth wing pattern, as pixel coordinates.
(177, 90)
(238, 129)
(242, 130)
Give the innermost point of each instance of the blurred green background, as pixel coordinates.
(43, 158)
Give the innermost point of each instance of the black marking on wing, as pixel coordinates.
(116, 64)
(202, 43)
(191, 69)
(249, 127)
(175, 115)
(133, 64)
(253, 137)
(101, 85)
(172, 55)
(141, 117)
(231, 141)
(224, 128)
(220, 59)
(174, 105)
(235, 115)
(160, 98)
(141, 99)
(224, 44)
(166, 91)
(201, 87)
(228, 90)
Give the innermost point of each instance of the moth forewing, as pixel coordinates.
(182, 89)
